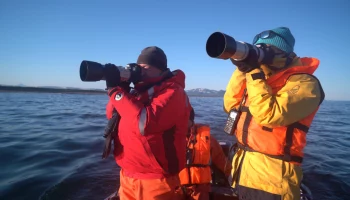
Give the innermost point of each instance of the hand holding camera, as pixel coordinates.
(249, 63)
(116, 76)
(112, 75)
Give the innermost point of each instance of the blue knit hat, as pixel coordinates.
(282, 39)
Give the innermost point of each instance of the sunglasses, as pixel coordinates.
(267, 34)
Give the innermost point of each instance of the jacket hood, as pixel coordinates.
(179, 77)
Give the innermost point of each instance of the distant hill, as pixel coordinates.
(203, 92)
(198, 92)
(51, 87)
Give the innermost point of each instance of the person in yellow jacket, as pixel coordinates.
(279, 102)
(202, 150)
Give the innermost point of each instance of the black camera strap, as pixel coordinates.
(111, 131)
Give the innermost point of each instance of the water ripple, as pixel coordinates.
(51, 146)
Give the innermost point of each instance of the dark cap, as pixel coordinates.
(153, 56)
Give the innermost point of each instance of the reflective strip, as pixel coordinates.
(150, 93)
(142, 121)
(143, 115)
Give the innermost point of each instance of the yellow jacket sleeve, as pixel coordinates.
(234, 91)
(300, 96)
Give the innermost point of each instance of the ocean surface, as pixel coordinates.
(51, 146)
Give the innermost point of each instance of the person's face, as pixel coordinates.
(149, 71)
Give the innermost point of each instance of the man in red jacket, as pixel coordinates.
(152, 128)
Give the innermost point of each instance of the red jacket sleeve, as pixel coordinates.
(109, 110)
(162, 113)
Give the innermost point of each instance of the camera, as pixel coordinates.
(222, 46)
(93, 71)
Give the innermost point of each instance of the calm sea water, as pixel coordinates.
(51, 145)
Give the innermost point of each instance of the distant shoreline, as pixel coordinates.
(14, 89)
(49, 90)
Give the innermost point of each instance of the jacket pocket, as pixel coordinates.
(262, 172)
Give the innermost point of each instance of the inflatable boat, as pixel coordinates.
(220, 189)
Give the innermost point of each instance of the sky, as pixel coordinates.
(42, 43)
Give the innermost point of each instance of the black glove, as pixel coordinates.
(125, 86)
(135, 72)
(249, 63)
(112, 75)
